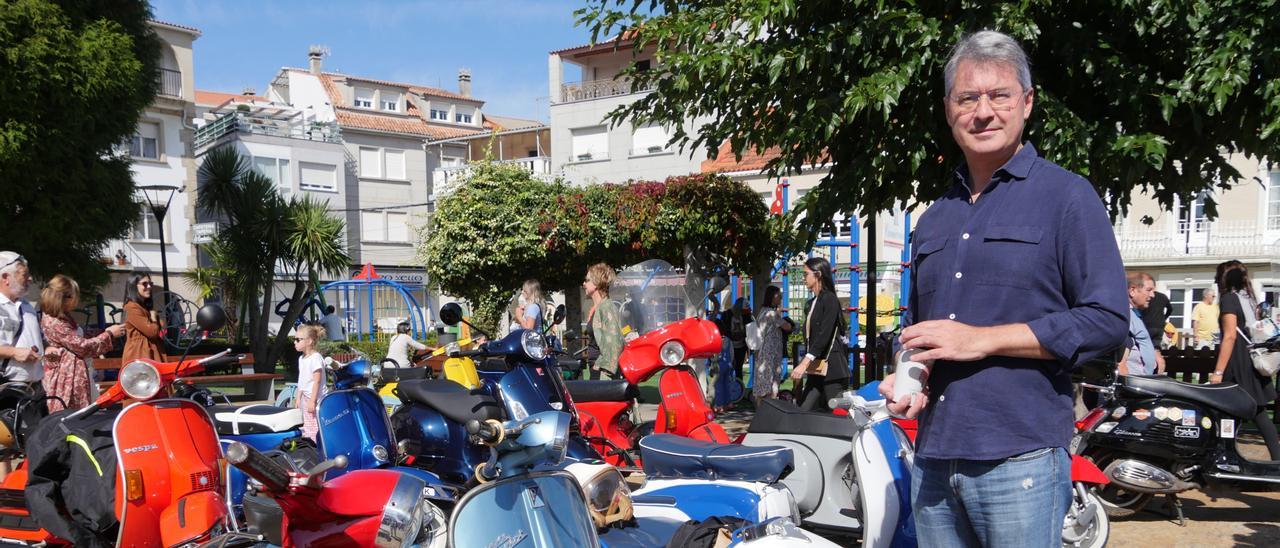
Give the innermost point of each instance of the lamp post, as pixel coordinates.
(158, 199)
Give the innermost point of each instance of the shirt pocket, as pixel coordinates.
(1011, 256)
(930, 265)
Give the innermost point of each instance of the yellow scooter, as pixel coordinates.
(460, 370)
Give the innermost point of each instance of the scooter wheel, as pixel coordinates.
(1087, 524)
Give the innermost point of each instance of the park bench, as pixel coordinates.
(257, 386)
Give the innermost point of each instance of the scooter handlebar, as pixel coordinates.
(841, 402)
(489, 432)
(258, 466)
(339, 461)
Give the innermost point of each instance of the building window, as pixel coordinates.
(395, 164)
(462, 118)
(1273, 202)
(643, 65)
(384, 226)
(1183, 302)
(391, 101)
(1191, 216)
(370, 162)
(322, 177)
(397, 227)
(276, 169)
(364, 98)
(146, 142)
(649, 140)
(590, 143)
(442, 115)
(146, 227)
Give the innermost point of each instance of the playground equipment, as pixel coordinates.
(371, 306)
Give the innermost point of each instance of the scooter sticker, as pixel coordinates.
(1119, 412)
(1186, 432)
(1206, 423)
(1141, 414)
(1228, 428)
(1188, 418)
(1161, 413)
(1175, 414)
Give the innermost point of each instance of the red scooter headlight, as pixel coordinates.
(672, 353)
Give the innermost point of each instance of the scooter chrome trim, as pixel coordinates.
(1239, 477)
(403, 517)
(1144, 477)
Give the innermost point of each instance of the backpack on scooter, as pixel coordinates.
(71, 484)
(713, 532)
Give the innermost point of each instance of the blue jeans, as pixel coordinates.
(725, 374)
(1015, 502)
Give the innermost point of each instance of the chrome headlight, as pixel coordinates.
(607, 493)
(672, 352)
(140, 380)
(534, 345)
(403, 515)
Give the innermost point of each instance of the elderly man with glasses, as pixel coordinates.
(1017, 279)
(21, 344)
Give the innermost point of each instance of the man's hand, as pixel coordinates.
(946, 340)
(25, 354)
(910, 408)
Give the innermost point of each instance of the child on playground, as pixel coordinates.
(310, 376)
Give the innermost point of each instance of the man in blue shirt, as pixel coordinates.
(1017, 279)
(1140, 356)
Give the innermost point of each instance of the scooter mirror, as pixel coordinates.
(558, 316)
(211, 317)
(451, 313)
(717, 283)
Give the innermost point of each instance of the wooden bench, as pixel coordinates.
(107, 364)
(258, 386)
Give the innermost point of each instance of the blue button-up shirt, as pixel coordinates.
(1036, 247)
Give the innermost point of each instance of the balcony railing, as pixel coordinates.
(597, 89)
(170, 82)
(1185, 240)
(241, 122)
(445, 179)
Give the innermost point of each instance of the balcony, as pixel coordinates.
(598, 89)
(170, 81)
(1197, 241)
(445, 179)
(260, 121)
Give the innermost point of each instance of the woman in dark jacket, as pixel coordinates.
(1234, 364)
(825, 367)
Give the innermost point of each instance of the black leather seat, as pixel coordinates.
(1228, 398)
(671, 456)
(451, 399)
(231, 420)
(781, 417)
(589, 391)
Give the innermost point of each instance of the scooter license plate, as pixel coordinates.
(1077, 444)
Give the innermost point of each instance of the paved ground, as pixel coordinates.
(1240, 520)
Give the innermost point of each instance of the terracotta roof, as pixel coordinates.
(175, 25)
(725, 161)
(217, 97)
(611, 41)
(502, 123)
(413, 88)
(411, 122)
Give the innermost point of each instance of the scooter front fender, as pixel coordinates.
(1084, 470)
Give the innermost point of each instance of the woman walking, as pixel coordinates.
(142, 327)
(68, 378)
(529, 312)
(825, 368)
(604, 321)
(1237, 309)
(773, 329)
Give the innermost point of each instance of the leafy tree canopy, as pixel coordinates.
(1133, 94)
(75, 76)
(503, 225)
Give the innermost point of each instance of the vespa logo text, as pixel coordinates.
(507, 541)
(140, 449)
(675, 395)
(344, 413)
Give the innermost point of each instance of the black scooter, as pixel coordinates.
(1154, 435)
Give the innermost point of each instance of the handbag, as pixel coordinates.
(1265, 362)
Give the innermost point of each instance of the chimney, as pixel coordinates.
(464, 82)
(316, 54)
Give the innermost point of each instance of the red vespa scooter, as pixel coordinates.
(606, 408)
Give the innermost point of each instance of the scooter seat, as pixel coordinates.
(232, 420)
(589, 391)
(451, 399)
(782, 417)
(671, 456)
(1229, 398)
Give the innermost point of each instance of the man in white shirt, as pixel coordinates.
(21, 342)
(333, 324)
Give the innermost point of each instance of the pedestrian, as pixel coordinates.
(142, 324)
(825, 367)
(1141, 355)
(1016, 280)
(21, 341)
(1204, 321)
(529, 312)
(398, 349)
(68, 375)
(1239, 309)
(604, 321)
(773, 328)
(1157, 315)
(333, 324)
(733, 324)
(311, 386)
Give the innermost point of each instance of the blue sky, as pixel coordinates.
(504, 43)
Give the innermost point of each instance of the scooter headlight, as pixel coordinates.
(779, 528)
(672, 352)
(534, 345)
(140, 380)
(403, 515)
(608, 496)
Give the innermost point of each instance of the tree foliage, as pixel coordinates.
(1132, 94)
(263, 238)
(75, 76)
(503, 225)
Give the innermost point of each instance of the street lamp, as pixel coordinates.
(158, 199)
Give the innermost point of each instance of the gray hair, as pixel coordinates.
(988, 46)
(10, 260)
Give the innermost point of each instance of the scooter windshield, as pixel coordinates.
(653, 294)
(542, 509)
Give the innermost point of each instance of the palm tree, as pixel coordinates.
(265, 238)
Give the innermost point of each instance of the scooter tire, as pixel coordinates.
(1124, 504)
(1099, 529)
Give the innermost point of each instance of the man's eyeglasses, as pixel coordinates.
(999, 99)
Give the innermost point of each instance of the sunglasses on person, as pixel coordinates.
(145, 284)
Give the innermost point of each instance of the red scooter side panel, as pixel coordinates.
(682, 398)
(600, 420)
(338, 533)
(1085, 470)
(640, 359)
(13, 508)
(359, 492)
(191, 518)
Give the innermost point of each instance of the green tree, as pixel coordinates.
(263, 232)
(1131, 94)
(75, 76)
